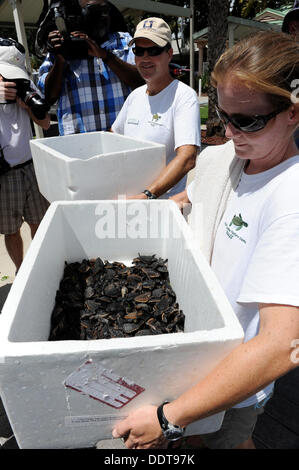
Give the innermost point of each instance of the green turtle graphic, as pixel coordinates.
(238, 222)
(156, 117)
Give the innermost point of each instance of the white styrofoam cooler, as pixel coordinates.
(42, 411)
(95, 165)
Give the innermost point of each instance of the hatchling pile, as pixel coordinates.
(101, 300)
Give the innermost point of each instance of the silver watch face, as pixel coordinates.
(172, 433)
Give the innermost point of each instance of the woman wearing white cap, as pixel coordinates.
(164, 110)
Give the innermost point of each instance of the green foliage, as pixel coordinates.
(35, 62)
(250, 8)
(205, 81)
(204, 112)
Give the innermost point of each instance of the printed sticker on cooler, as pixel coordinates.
(103, 385)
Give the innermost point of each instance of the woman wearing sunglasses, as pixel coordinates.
(247, 195)
(164, 110)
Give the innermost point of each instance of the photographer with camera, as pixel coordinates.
(90, 68)
(20, 199)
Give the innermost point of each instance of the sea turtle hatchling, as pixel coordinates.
(100, 300)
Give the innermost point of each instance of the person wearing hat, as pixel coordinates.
(20, 199)
(164, 110)
(90, 91)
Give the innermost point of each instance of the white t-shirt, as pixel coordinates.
(256, 250)
(172, 118)
(15, 133)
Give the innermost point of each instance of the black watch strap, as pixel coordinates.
(172, 432)
(161, 416)
(149, 194)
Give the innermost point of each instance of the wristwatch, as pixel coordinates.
(149, 194)
(172, 432)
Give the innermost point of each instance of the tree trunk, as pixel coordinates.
(217, 37)
(176, 34)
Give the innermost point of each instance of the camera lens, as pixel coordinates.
(38, 106)
(36, 103)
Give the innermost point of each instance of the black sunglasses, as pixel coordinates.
(152, 51)
(12, 42)
(248, 123)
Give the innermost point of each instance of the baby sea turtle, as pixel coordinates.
(101, 300)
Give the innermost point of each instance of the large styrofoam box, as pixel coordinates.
(43, 412)
(95, 165)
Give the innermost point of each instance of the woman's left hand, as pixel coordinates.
(141, 430)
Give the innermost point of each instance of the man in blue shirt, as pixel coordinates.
(90, 91)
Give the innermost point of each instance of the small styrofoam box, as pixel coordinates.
(95, 165)
(43, 412)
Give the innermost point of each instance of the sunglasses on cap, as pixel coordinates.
(12, 42)
(152, 51)
(248, 123)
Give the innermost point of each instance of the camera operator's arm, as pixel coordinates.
(54, 79)
(44, 123)
(126, 72)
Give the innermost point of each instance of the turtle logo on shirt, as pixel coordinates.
(155, 120)
(156, 117)
(238, 222)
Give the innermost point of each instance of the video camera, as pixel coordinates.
(33, 100)
(67, 16)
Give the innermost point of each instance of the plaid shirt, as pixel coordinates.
(91, 95)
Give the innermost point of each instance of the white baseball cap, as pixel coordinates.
(12, 60)
(154, 29)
